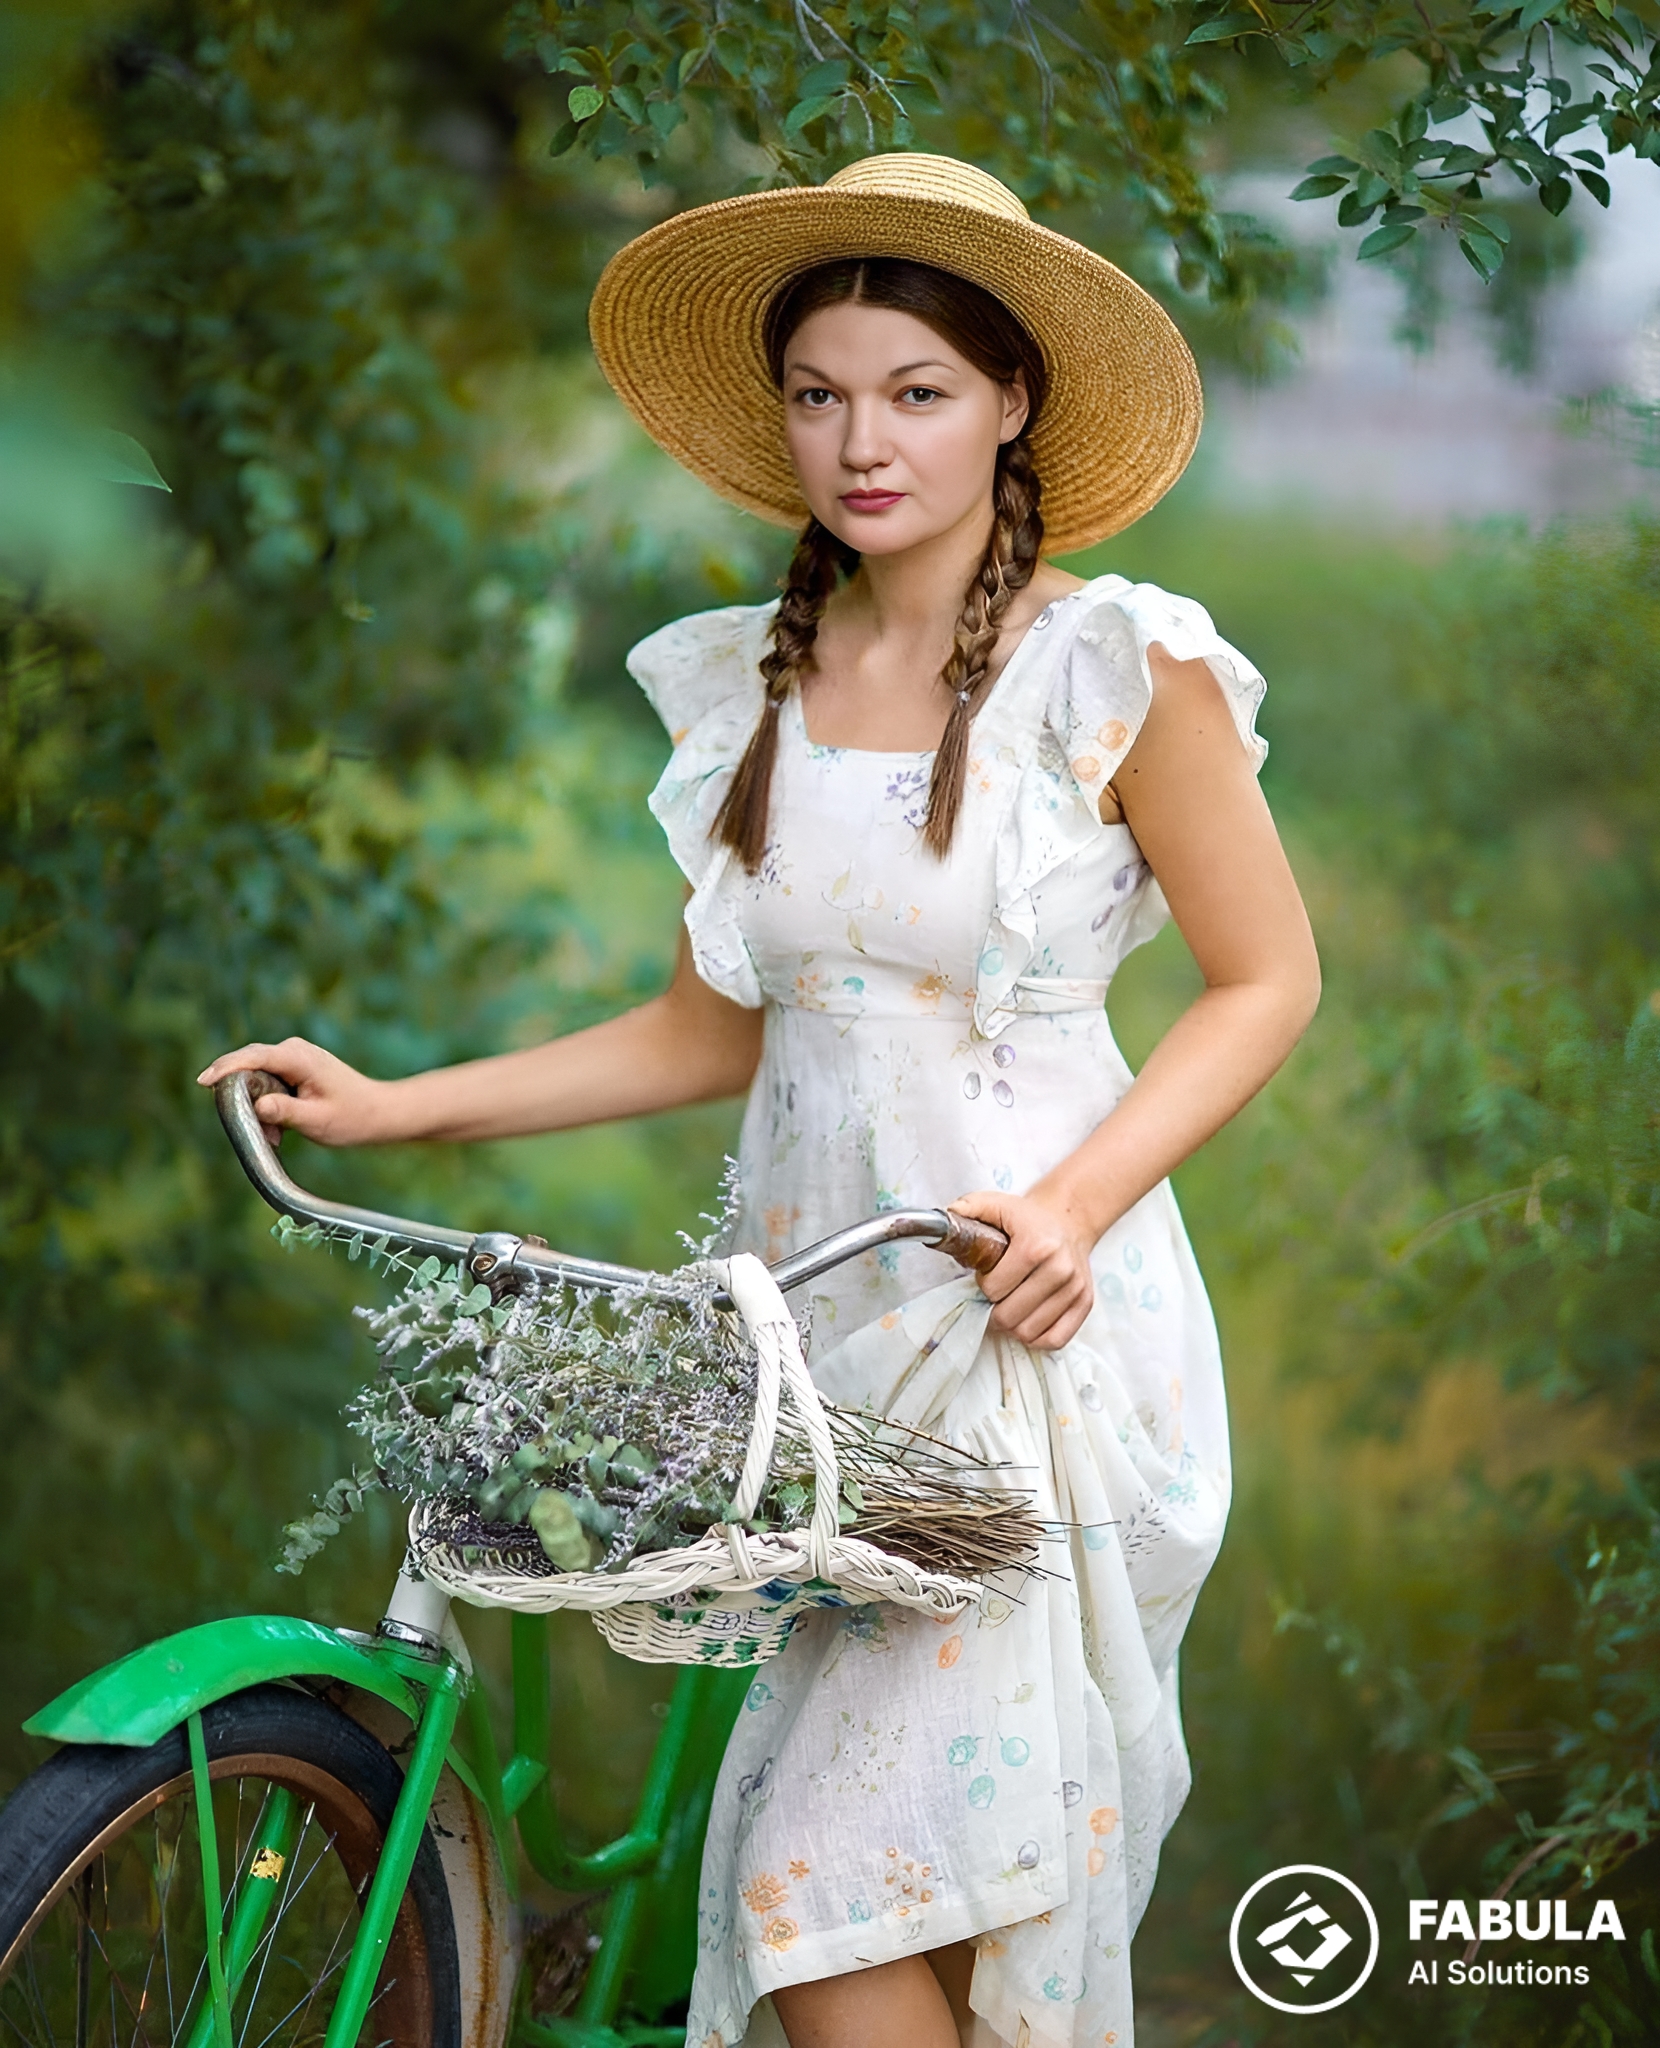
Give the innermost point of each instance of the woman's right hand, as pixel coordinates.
(333, 1104)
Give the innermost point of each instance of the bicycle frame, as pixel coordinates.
(416, 1666)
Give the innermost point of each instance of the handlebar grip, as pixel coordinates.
(976, 1245)
(261, 1083)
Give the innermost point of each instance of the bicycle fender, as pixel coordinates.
(146, 1694)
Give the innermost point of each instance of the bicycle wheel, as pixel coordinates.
(102, 1933)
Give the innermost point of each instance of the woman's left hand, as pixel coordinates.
(1041, 1288)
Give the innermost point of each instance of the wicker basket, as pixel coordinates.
(732, 1597)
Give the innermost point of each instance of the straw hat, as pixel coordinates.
(677, 316)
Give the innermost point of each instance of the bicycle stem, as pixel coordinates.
(505, 1261)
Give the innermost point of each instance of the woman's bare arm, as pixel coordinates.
(687, 1045)
(1192, 800)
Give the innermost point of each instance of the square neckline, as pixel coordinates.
(797, 704)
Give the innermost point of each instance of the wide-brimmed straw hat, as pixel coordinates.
(677, 325)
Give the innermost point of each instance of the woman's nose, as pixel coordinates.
(864, 445)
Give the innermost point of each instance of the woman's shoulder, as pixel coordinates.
(703, 663)
(1103, 604)
(1103, 677)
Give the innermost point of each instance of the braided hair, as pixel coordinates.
(983, 329)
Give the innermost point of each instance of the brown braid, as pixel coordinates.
(1010, 558)
(983, 329)
(819, 558)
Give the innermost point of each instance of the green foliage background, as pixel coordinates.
(334, 739)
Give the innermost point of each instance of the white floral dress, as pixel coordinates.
(894, 1784)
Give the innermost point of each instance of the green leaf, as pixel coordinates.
(1225, 28)
(1382, 240)
(427, 1271)
(1484, 254)
(807, 110)
(1535, 12)
(822, 80)
(564, 138)
(1554, 194)
(563, 1539)
(1320, 188)
(665, 116)
(119, 459)
(1596, 185)
(1460, 159)
(584, 101)
(631, 101)
(1325, 164)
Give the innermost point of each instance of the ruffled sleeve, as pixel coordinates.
(702, 678)
(1100, 685)
(1105, 686)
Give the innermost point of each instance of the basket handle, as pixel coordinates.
(780, 1364)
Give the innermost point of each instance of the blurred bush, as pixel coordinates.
(1428, 1653)
(285, 750)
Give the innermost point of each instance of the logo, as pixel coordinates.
(1304, 1938)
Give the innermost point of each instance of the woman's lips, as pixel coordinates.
(871, 501)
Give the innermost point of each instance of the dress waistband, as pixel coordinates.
(1037, 995)
(1033, 995)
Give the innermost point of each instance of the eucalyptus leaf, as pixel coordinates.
(119, 459)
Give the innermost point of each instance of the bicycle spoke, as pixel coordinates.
(166, 1945)
(304, 2005)
(157, 1948)
(83, 1958)
(118, 1982)
(290, 1891)
(39, 1997)
(334, 1963)
(32, 2036)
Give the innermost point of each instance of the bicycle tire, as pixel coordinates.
(124, 1820)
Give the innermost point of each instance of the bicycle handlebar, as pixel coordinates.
(502, 1259)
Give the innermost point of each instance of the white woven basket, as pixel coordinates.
(731, 1597)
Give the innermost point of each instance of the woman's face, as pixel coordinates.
(893, 434)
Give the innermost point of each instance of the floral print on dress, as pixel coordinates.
(934, 1027)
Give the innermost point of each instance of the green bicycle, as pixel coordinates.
(262, 1833)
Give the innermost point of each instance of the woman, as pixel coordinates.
(922, 802)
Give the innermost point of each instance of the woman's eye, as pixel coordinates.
(919, 394)
(815, 398)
